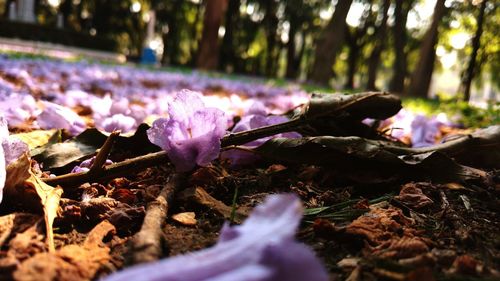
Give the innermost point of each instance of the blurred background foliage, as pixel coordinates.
(348, 45)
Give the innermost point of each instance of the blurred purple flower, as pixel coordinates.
(118, 122)
(10, 150)
(424, 131)
(255, 120)
(55, 116)
(263, 248)
(191, 134)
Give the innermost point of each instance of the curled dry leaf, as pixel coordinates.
(389, 233)
(412, 195)
(71, 262)
(25, 186)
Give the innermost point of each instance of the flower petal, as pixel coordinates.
(261, 249)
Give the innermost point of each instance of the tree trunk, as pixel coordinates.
(401, 11)
(374, 60)
(194, 42)
(173, 49)
(291, 70)
(66, 8)
(271, 21)
(228, 56)
(421, 76)
(208, 53)
(7, 8)
(352, 59)
(476, 44)
(329, 43)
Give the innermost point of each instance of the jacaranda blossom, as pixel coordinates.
(87, 164)
(424, 131)
(256, 118)
(55, 116)
(10, 150)
(192, 132)
(263, 248)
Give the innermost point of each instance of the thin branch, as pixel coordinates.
(146, 245)
(103, 153)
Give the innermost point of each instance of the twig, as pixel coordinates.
(254, 134)
(102, 155)
(110, 171)
(148, 160)
(486, 139)
(147, 243)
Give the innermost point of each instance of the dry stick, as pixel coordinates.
(148, 160)
(451, 147)
(147, 243)
(102, 155)
(232, 139)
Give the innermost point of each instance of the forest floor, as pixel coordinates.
(367, 223)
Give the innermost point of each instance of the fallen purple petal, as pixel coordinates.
(263, 248)
(191, 134)
(10, 150)
(55, 116)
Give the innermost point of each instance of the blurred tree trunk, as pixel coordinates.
(352, 59)
(401, 11)
(66, 8)
(356, 40)
(172, 53)
(208, 52)
(476, 44)
(6, 8)
(329, 43)
(271, 26)
(374, 60)
(228, 55)
(194, 34)
(421, 76)
(291, 64)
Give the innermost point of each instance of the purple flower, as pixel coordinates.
(424, 131)
(263, 248)
(55, 116)
(87, 164)
(191, 134)
(118, 122)
(10, 150)
(255, 120)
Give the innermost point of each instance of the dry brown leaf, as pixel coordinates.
(17, 173)
(379, 225)
(49, 197)
(15, 223)
(71, 262)
(412, 195)
(35, 138)
(186, 218)
(389, 234)
(21, 183)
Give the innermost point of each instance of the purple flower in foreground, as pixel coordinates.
(10, 150)
(263, 248)
(191, 134)
(55, 116)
